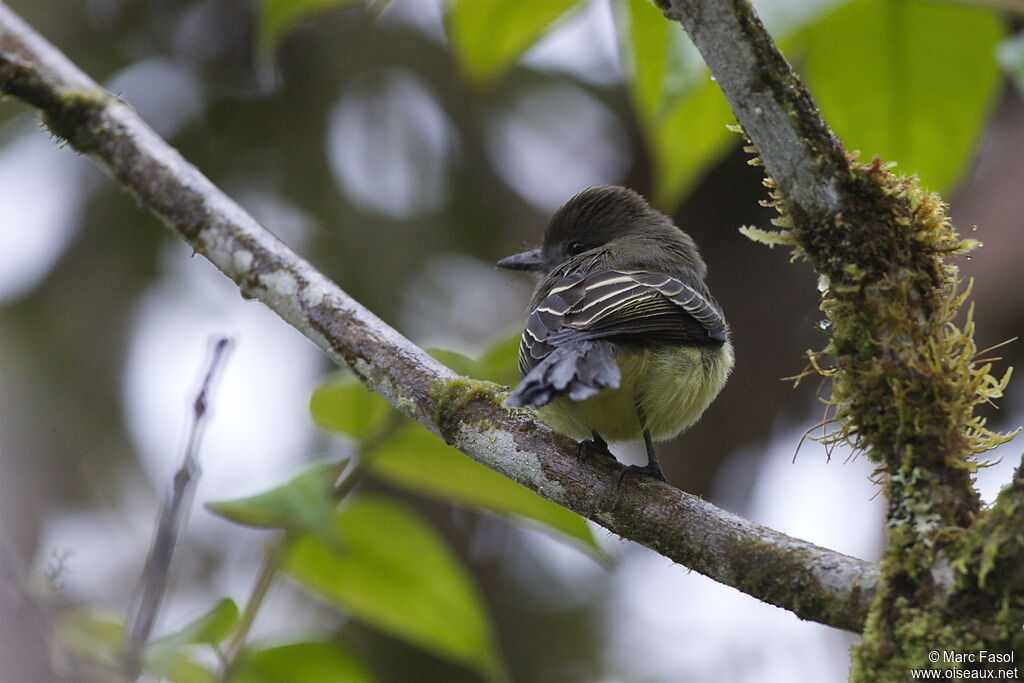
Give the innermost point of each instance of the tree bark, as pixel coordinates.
(904, 378)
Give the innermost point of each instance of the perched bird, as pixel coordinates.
(622, 339)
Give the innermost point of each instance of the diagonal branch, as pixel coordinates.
(815, 583)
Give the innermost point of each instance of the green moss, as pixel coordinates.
(905, 382)
(801, 591)
(73, 114)
(76, 116)
(454, 398)
(893, 646)
(911, 619)
(991, 557)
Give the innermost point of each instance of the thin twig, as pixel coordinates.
(275, 554)
(353, 472)
(272, 559)
(172, 518)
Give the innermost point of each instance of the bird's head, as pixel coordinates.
(610, 217)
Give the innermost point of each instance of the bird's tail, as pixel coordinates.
(577, 370)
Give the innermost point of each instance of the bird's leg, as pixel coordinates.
(594, 445)
(653, 468)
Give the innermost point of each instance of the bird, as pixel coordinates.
(623, 341)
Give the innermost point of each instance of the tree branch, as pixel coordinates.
(905, 381)
(815, 583)
(799, 151)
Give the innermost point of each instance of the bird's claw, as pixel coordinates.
(648, 469)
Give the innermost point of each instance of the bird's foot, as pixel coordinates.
(650, 470)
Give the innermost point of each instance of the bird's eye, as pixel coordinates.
(576, 248)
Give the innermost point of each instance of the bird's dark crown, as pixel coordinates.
(601, 216)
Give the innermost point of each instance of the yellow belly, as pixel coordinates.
(673, 385)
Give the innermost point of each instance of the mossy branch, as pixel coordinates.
(905, 379)
(815, 583)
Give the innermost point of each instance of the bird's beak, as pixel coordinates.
(532, 260)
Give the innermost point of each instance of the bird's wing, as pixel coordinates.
(620, 306)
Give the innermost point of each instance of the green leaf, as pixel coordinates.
(1011, 58)
(488, 36)
(910, 81)
(96, 637)
(397, 574)
(184, 669)
(681, 110)
(418, 460)
(164, 655)
(648, 44)
(464, 365)
(687, 140)
(309, 662)
(499, 363)
(305, 503)
(276, 17)
(344, 405)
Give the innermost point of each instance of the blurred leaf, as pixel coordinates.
(687, 140)
(681, 110)
(418, 460)
(276, 17)
(309, 662)
(649, 44)
(96, 637)
(184, 669)
(305, 503)
(343, 404)
(464, 365)
(489, 35)
(910, 81)
(163, 655)
(499, 363)
(397, 574)
(1011, 58)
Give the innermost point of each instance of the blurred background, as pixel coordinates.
(389, 144)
